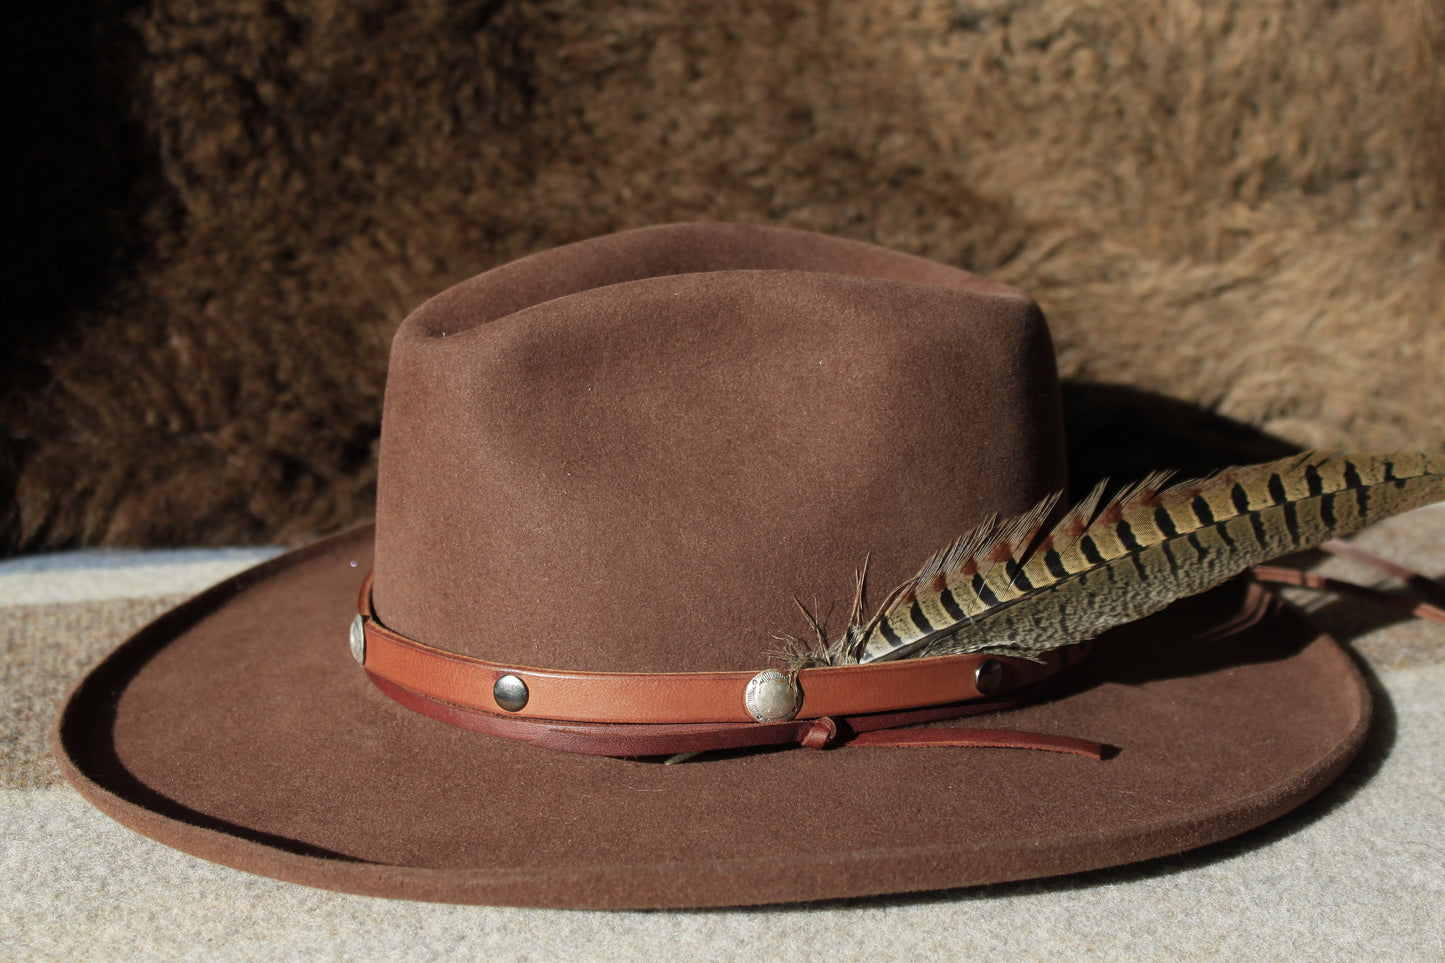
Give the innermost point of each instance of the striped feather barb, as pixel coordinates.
(1010, 588)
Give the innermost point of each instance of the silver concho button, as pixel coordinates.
(771, 698)
(511, 693)
(987, 677)
(358, 640)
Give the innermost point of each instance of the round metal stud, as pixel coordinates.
(987, 676)
(770, 697)
(511, 693)
(358, 640)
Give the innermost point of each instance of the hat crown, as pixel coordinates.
(633, 453)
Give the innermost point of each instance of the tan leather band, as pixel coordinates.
(882, 729)
(683, 698)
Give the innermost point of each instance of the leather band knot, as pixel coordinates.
(821, 735)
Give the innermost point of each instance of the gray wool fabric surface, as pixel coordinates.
(1358, 872)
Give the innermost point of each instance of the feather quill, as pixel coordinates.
(1009, 588)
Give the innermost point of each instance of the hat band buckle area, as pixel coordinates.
(663, 713)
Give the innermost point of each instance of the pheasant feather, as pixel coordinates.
(1008, 588)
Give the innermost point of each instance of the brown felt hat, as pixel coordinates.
(606, 472)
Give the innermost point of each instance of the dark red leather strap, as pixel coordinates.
(990, 738)
(1428, 587)
(1293, 576)
(1423, 584)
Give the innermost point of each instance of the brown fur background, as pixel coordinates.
(223, 209)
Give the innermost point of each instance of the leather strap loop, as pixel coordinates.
(821, 734)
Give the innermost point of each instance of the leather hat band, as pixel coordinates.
(645, 713)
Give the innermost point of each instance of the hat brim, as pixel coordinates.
(239, 729)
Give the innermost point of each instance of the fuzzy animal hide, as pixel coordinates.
(223, 209)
